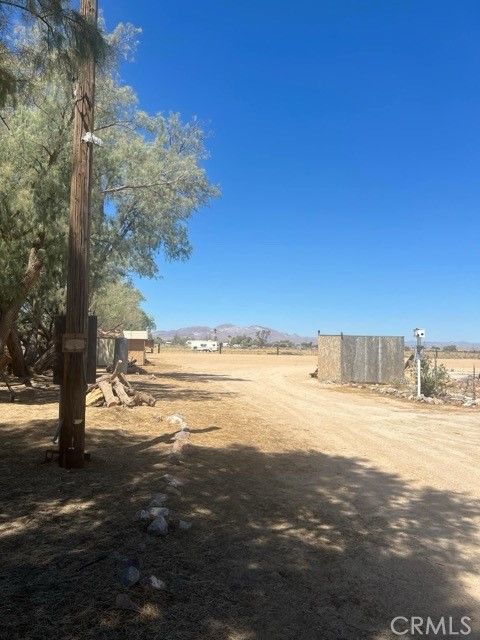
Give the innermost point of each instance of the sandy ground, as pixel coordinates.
(317, 512)
(460, 367)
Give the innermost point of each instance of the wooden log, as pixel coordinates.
(94, 397)
(124, 381)
(106, 388)
(110, 377)
(122, 394)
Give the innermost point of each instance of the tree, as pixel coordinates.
(118, 306)
(434, 378)
(245, 342)
(59, 29)
(261, 337)
(307, 345)
(148, 181)
(450, 347)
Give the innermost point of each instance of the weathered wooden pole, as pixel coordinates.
(72, 409)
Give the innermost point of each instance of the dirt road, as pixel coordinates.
(400, 482)
(317, 513)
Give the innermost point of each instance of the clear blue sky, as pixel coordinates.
(345, 138)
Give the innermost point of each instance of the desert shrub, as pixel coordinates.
(434, 379)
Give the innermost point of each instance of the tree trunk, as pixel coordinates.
(16, 353)
(8, 315)
(46, 360)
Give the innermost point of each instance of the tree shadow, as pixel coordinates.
(199, 377)
(291, 545)
(40, 394)
(46, 394)
(171, 393)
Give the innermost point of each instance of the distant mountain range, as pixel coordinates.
(226, 331)
(461, 345)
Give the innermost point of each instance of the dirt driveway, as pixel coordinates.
(317, 513)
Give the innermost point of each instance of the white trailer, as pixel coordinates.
(203, 345)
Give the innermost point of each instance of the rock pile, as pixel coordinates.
(158, 520)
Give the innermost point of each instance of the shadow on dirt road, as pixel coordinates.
(296, 545)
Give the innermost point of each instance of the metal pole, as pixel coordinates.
(419, 368)
(72, 433)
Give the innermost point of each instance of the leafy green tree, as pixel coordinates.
(148, 180)
(118, 306)
(59, 29)
(180, 340)
(284, 344)
(245, 342)
(261, 337)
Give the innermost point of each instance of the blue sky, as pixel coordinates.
(345, 139)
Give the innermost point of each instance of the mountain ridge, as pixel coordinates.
(226, 331)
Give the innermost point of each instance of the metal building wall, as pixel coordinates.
(105, 349)
(377, 359)
(374, 359)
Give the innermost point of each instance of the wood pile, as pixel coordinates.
(113, 389)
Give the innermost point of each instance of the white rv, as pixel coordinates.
(203, 345)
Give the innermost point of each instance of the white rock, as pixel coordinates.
(172, 481)
(155, 512)
(159, 527)
(158, 500)
(184, 434)
(154, 583)
(176, 420)
(130, 576)
(142, 515)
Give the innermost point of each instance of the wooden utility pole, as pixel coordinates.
(72, 397)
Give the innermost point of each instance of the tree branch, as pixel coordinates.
(126, 187)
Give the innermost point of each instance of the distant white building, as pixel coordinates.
(202, 345)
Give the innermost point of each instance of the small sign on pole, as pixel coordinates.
(73, 342)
